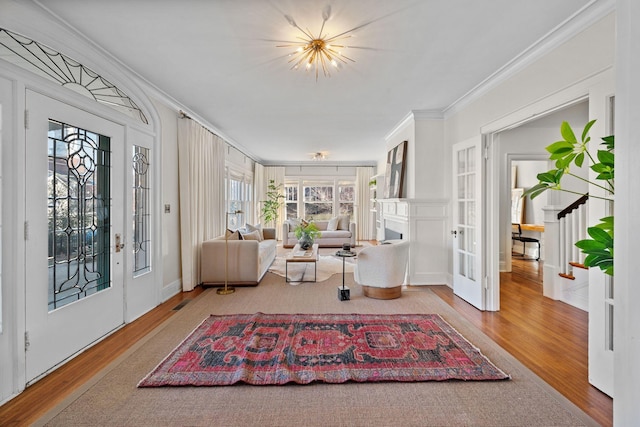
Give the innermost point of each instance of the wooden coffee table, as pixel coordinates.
(299, 255)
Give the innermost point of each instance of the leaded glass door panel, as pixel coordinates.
(74, 184)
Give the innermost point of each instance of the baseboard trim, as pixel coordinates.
(171, 289)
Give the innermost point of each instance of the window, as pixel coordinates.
(346, 197)
(239, 196)
(321, 199)
(318, 200)
(291, 199)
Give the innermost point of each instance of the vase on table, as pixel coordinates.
(305, 241)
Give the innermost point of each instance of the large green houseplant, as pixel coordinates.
(271, 206)
(569, 151)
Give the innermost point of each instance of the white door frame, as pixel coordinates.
(12, 339)
(490, 131)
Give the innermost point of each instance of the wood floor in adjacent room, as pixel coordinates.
(549, 337)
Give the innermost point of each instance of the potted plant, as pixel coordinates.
(306, 233)
(271, 206)
(599, 247)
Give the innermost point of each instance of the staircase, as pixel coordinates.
(565, 276)
(573, 227)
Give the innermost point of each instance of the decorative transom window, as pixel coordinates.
(54, 66)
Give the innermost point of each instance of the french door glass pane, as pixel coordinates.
(78, 188)
(471, 159)
(462, 163)
(471, 186)
(471, 271)
(462, 187)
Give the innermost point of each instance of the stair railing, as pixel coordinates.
(573, 227)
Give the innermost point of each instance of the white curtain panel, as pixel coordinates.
(363, 211)
(259, 191)
(201, 169)
(275, 173)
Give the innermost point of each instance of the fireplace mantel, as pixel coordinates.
(424, 223)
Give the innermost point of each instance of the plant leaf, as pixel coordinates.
(606, 158)
(587, 127)
(609, 142)
(560, 147)
(567, 133)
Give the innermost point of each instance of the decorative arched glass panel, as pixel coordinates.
(54, 66)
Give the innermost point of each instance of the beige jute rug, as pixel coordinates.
(112, 397)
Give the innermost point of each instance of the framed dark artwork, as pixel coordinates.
(394, 175)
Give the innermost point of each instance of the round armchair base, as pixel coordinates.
(382, 293)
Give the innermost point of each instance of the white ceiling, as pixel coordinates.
(219, 60)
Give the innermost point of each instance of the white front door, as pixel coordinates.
(74, 213)
(467, 216)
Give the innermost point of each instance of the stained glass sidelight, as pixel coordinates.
(78, 188)
(141, 212)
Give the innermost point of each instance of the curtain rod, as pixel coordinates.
(183, 115)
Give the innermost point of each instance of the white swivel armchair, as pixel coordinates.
(381, 269)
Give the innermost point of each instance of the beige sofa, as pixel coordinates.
(327, 239)
(248, 260)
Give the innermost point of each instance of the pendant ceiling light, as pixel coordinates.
(321, 52)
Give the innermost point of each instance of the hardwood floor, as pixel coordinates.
(547, 336)
(37, 399)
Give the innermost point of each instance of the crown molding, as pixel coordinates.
(428, 114)
(569, 28)
(415, 115)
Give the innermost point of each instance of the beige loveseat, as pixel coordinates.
(327, 239)
(248, 260)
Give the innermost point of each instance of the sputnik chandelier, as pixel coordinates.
(317, 52)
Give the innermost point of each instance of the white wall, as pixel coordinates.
(526, 173)
(171, 267)
(587, 54)
(424, 174)
(429, 178)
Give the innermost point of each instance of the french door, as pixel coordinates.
(74, 174)
(467, 217)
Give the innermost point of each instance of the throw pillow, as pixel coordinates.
(233, 235)
(293, 223)
(257, 228)
(343, 222)
(254, 235)
(333, 224)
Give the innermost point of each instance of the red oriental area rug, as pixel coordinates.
(333, 348)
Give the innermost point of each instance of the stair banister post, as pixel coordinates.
(551, 287)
